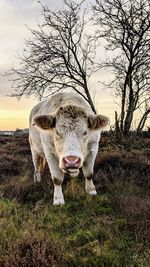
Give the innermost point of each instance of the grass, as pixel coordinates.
(110, 229)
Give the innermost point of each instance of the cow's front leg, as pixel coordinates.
(58, 194)
(89, 186)
(57, 178)
(88, 173)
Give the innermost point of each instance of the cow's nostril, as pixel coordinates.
(71, 162)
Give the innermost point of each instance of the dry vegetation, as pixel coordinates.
(111, 229)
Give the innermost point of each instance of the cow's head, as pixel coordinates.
(72, 128)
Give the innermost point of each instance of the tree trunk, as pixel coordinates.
(127, 82)
(131, 106)
(142, 121)
(91, 102)
(117, 129)
(89, 99)
(123, 100)
(129, 116)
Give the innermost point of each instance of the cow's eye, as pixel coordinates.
(85, 134)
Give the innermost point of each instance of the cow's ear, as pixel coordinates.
(97, 122)
(45, 122)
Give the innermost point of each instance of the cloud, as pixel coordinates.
(14, 16)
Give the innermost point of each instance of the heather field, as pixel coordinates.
(111, 229)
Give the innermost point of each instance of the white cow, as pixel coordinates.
(65, 133)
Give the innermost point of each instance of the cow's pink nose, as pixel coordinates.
(72, 162)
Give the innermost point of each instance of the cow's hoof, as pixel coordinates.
(92, 192)
(37, 178)
(58, 201)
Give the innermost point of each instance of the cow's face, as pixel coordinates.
(71, 128)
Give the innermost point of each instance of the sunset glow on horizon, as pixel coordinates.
(15, 114)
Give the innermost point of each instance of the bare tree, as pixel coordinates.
(125, 25)
(144, 117)
(59, 55)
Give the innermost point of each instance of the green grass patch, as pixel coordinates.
(86, 231)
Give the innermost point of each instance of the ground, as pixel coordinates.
(110, 229)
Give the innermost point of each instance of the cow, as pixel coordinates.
(65, 133)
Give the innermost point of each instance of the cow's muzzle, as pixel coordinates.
(71, 165)
(72, 162)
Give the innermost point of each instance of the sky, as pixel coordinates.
(14, 16)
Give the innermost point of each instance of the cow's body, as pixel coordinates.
(64, 132)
